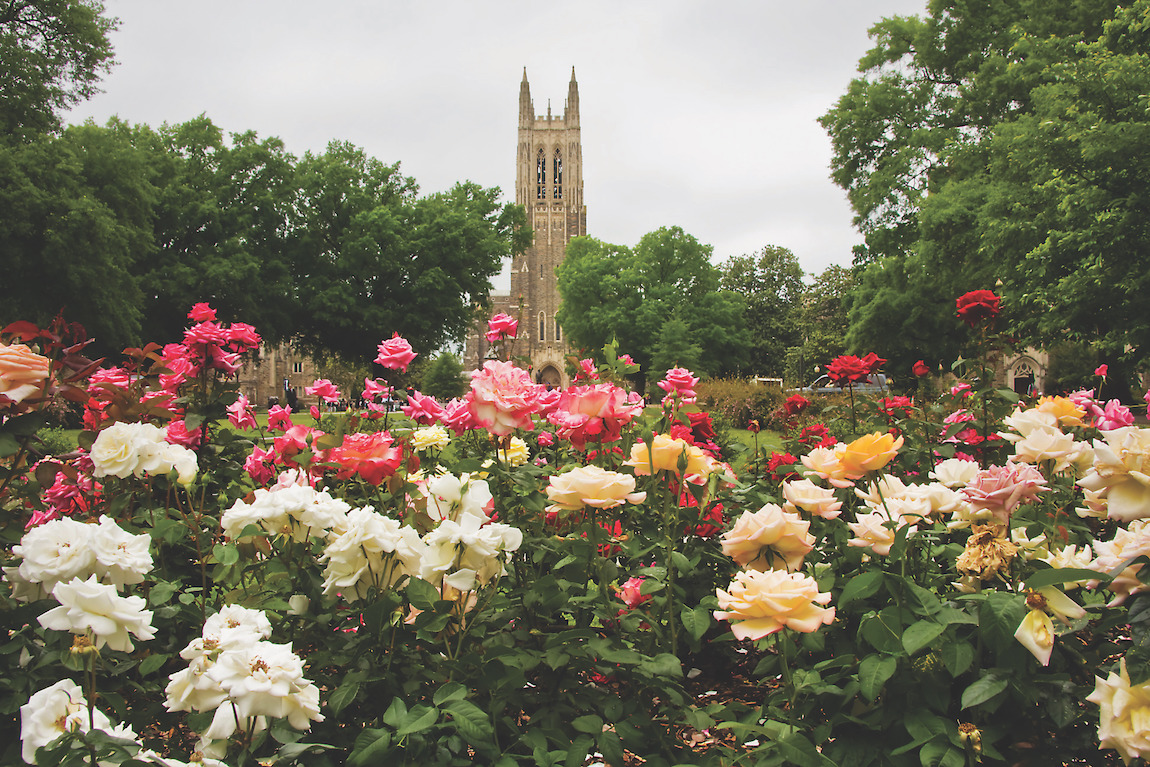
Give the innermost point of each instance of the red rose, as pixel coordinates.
(796, 404)
(978, 305)
(920, 369)
(848, 368)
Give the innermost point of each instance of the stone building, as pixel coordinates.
(549, 184)
(276, 371)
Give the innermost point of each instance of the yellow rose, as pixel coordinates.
(766, 602)
(869, 453)
(1125, 711)
(21, 371)
(591, 486)
(769, 538)
(664, 455)
(1036, 634)
(1062, 408)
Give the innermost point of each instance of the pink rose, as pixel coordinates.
(502, 397)
(374, 388)
(545, 439)
(177, 434)
(680, 382)
(631, 592)
(324, 389)
(371, 456)
(501, 326)
(22, 372)
(240, 414)
(423, 410)
(1101, 370)
(395, 353)
(458, 417)
(243, 336)
(259, 467)
(201, 312)
(279, 418)
(1001, 489)
(587, 371)
(594, 413)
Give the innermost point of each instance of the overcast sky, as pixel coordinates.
(700, 115)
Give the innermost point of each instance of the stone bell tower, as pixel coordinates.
(549, 185)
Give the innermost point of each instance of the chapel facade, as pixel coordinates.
(549, 185)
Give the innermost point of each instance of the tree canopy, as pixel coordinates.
(771, 283)
(644, 297)
(52, 55)
(1001, 141)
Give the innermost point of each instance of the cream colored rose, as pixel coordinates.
(813, 499)
(1048, 445)
(825, 462)
(955, 472)
(117, 449)
(769, 538)
(373, 551)
(1125, 709)
(591, 486)
(1027, 422)
(22, 372)
(876, 532)
(1121, 473)
(1036, 634)
(56, 551)
(91, 605)
(765, 602)
(430, 437)
(121, 558)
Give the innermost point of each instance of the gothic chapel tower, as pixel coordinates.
(549, 185)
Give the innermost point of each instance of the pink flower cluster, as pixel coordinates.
(1112, 415)
(596, 413)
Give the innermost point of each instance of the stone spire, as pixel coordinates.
(526, 107)
(572, 110)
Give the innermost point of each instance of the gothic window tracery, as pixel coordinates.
(558, 175)
(541, 176)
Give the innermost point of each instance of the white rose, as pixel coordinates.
(955, 472)
(51, 712)
(811, 498)
(121, 558)
(117, 449)
(236, 624)
(56, 551)
(93, 605)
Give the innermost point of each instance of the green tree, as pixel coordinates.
(1001, 141)
(771, 283)
(822, 324)
(610, 291)
(52, 55)
(221, 228)
(443, 378)
(75, 223)
(370, 258)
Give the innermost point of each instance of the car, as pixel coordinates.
(876, 383)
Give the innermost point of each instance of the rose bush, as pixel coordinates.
(523, 577)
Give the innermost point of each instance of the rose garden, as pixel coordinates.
(533, 576)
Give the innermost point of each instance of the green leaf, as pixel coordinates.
(371, 746)
(919, 635)
(226, 554)
(874, 671)
(884, 631)
(471, 721)
(422, 594)
(1063, 575)
(681, 563)
(448, 692)
(589, 723)
(860, 587)
(983, 689)
(342, 697)
(957, 657)
(418, 719)
(577, 753)
(663, 664)
(152, 663)
(800, 751)
(696, 621)
(395, 713)
(162, 592)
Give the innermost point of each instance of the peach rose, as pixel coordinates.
(591, 486)
(769, 538)
(766, 602)
(21, 371)
(875, 532)
(868, 453)
(825, 462)
(1064, 409)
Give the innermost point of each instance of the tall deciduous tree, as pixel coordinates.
(372, 259)
(610, 291)
(75, 222)
(771, 282)
(52, 55)
(1001, 141)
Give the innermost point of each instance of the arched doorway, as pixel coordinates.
(550, 377)
(1023, 382)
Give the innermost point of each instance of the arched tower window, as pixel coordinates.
(541, 176)
(542, 326)
(558, 330)
(558, 175)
